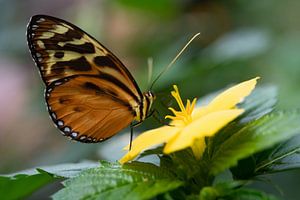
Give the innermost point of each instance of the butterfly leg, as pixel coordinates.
(132, 125)
(131, 135)
(156, 115)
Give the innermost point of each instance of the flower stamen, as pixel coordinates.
(184, 115)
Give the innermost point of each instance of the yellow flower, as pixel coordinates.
(190, 126)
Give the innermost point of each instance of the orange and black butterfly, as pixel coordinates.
(90, 94)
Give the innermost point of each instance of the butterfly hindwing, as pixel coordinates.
(86, 112)
(90, 94)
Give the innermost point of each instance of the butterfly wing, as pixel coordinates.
(87, 112)
(90, 94)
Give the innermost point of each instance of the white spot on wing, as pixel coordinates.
(74, 134)
(58, 83)
(40, 20)
(82, 137)
(67, 129)
(53, 115)
(34, 27)
(60, 123)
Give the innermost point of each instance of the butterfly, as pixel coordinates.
(90, 94)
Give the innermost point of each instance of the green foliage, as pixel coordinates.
(260, 141)
(23, 185)
(232, 191)
(253, 137)
(111, 181)
(284, 156)
(259, 103)
(281, 157)
(249, 194)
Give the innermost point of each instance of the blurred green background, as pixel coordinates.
(239, 40)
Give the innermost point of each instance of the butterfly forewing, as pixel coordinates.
(61, 49)
(90, 94)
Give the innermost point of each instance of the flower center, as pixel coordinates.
(184, 116)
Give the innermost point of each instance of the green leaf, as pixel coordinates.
(245, 169)
(219, 190)
(22, 185)
(139, 190)
(135, 180)
(282, 157)
(253, 137)
(156, 151)
(249, 194)
(66, 170)
(232, 191)
(260, 102)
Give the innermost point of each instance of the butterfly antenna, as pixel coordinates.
(174, 60)
(150, 69)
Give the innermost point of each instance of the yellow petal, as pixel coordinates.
(199, 112)
(198, 147)
(207, 125)
(227, 99)
(148, 139)
(234, 95)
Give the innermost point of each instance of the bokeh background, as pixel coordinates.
(239, 40)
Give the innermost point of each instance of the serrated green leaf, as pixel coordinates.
(282, 157)
(94, 183)
(66, 170)
(149, 168)
(155, 151)
(253, 137)
(140, 190)
(22, 185)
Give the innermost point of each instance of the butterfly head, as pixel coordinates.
(150, 96)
